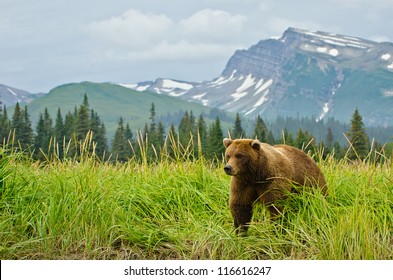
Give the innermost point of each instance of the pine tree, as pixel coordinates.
(260, 131)
(237, 131)
(82, 120)
(172, 132)
(17, 122)
(44, 133)
(358, 137)
(145, 134)
(286, 138)
(27, 133)
(94, 122)
(120, 146)
(101, 140)
(192, 122)
(97, 127)
(40, 138)
(193, 131)
(185, 129)
(153, 126)
(5, 126)
(129, 137)
(202, 134)
(128, 133)
(69, 126)
(270, 138)
(304, 140)
(58, 130)
(215, 146)
(59, 134)
(173, 142)
(329, 139)
(339, 151)
(21, 127)
(160, 136)
(144, 144)
(6, 120)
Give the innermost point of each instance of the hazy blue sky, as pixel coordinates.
(45, 43)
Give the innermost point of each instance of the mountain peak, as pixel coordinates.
(303, 73)
(10, 95)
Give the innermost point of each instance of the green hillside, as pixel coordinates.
(369, 91)
(112, 101)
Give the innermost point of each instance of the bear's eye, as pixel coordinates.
(239, 155)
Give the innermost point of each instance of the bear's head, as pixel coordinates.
(241, 155)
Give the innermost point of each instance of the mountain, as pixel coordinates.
(302, 73)
(10, 95)
(112, 101)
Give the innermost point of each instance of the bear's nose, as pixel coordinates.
(228, 169)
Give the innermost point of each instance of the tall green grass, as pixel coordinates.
(178, 209)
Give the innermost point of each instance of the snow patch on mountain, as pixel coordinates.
(261, 100)
(136, 87)
(176, 94)
(248, 82)
(325, 110)
(336, 40)
(13, 93)
(260, 82)
(238, 95)
(250, 111)
(324, 50)
(386, 56)
(223, 80)
(333, 52)
(199, 97)
(171, 84)
(388, 93)
(264, 86)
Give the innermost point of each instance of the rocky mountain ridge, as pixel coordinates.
(302, 73)
(10, 95)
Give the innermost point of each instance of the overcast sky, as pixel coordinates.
(45, 43)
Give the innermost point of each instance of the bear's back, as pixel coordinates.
(307, 172)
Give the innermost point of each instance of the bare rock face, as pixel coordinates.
(10, 95)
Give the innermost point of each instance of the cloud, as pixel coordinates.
(212, 26)
(360, 4)
(182, 51)
(133, 29)
(138, 36)
(187, 52)
(265, 6)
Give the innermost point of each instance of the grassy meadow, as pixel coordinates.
(178, 209)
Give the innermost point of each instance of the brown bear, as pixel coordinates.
(264, 173)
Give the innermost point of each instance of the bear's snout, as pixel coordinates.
(228, 169)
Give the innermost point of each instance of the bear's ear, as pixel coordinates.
(256, 145)
(227, 142)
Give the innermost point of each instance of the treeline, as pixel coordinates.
(63, 137)
(82, 131)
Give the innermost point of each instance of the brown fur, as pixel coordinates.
(264, 173)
